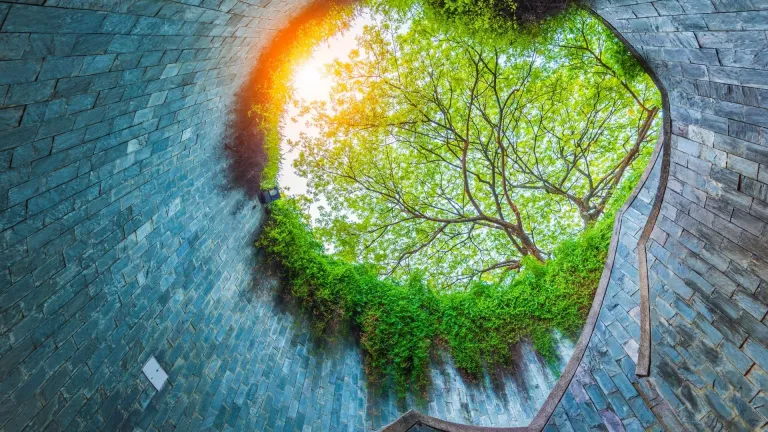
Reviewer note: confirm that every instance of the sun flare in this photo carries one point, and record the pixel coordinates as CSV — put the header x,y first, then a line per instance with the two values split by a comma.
x,y
311,82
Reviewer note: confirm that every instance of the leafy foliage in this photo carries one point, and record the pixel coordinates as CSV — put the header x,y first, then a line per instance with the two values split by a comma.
x,y
398,321
583,112
457,157
490,17
402,322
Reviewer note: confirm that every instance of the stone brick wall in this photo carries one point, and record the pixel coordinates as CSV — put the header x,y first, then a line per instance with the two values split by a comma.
x,y
119,239
708,252
605,390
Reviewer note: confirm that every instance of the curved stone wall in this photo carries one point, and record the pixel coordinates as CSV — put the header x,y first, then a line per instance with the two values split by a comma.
x,y
117,239
708,249
121,239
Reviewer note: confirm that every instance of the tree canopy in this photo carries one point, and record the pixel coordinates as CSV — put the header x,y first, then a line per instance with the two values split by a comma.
x,y
456,156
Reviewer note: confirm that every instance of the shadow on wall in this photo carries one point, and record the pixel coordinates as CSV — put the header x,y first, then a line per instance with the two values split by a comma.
x,y
245,141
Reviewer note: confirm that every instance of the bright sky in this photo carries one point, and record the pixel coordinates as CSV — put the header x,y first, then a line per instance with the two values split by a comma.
x,y
312,83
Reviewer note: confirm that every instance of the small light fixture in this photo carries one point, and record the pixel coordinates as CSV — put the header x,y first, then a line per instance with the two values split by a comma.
x,y
269,195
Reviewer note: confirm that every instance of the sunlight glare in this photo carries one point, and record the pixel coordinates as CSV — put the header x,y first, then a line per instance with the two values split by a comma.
x,y
311,82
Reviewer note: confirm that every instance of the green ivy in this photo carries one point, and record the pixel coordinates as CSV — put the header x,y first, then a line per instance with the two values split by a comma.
x,y
401,322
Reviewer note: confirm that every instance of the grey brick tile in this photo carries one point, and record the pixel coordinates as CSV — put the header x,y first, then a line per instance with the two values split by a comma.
x,y
30,92
19,71
757,352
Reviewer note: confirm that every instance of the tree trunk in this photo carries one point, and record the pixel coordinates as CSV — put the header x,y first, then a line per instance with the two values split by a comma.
x,y
590,215
531,248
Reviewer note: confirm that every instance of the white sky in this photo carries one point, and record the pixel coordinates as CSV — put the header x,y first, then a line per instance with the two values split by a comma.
x,y
312,83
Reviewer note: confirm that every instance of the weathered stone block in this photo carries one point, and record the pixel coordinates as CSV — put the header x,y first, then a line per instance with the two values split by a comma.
x,y
125,44
60,67
39,91
30,152
35,19
118,23
19,71
97,64
13,45
731,39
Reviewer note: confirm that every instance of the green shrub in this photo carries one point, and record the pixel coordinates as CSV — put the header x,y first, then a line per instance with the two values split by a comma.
x,y
402,321
398,321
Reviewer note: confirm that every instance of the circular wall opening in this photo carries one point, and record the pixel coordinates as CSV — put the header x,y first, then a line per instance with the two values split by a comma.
x,y
450,192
